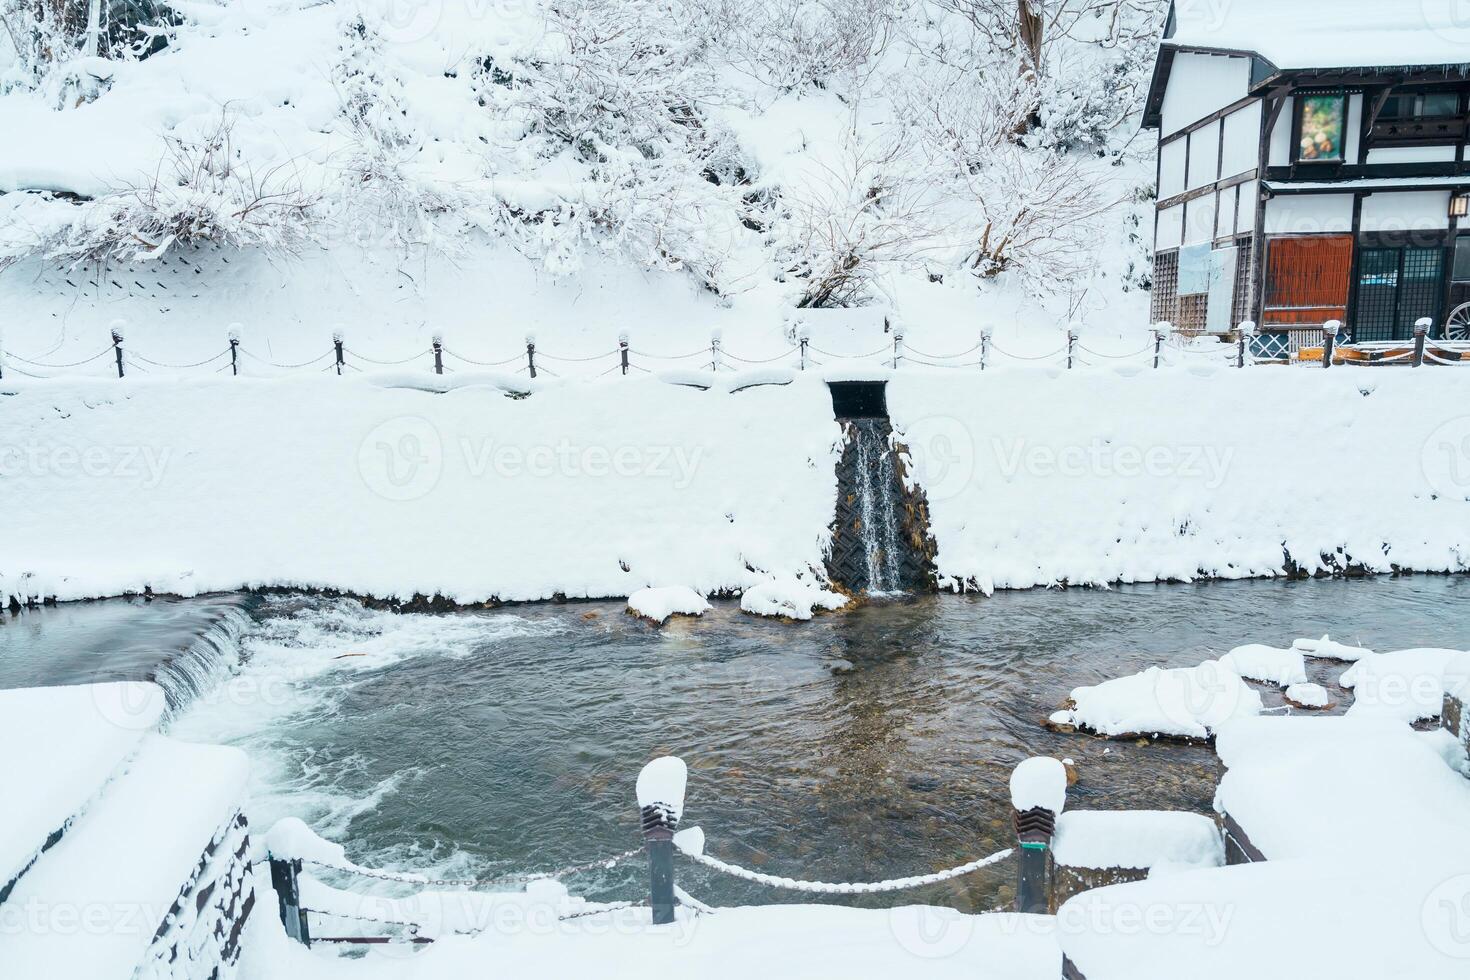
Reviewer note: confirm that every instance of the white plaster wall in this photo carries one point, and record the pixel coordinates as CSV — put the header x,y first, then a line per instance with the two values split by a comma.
x,y
1245,215
1412,154
1354,125
1171,169
1204,155
1242,137
1199,220
1281,137
1309,214
1198,85
1171,228
1408,211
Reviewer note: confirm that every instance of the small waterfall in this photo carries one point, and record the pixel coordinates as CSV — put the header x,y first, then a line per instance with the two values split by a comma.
x,y
204,663
877,485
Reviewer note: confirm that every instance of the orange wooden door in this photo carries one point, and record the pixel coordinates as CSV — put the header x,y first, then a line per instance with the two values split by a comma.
x,y
1307,278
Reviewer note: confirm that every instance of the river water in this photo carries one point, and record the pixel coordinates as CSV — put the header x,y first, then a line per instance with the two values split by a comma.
x,y
863,745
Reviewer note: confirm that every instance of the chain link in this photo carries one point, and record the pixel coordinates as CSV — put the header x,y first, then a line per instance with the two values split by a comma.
x,y
847,888
411,878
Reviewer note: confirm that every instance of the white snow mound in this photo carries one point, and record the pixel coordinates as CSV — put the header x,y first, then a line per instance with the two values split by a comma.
x,y
1137,839
1189,702
790,598
1328,649
658,604
1040,781
1269,665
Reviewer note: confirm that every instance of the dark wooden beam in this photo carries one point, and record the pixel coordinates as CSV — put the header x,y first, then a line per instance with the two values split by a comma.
x,y
1201,191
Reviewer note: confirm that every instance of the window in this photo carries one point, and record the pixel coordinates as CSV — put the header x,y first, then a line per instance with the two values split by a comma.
x,y
1319,128
1307,278
1409,118
1462,259
1397,286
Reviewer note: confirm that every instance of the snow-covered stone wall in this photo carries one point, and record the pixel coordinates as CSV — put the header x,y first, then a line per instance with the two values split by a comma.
x,y
600,489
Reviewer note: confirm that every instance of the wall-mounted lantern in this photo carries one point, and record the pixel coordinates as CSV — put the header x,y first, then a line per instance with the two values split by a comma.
x,y
1459,205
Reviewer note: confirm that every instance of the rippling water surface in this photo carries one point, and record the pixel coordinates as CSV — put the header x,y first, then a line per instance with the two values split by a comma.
x,y
862,745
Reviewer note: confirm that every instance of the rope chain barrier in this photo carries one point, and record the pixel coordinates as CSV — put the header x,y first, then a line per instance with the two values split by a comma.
x,y
846,888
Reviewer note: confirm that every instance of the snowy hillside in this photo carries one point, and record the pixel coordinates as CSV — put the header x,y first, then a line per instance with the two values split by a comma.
x,y
575,166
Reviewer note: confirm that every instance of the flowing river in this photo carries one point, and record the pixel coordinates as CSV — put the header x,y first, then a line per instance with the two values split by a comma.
x,y
863,745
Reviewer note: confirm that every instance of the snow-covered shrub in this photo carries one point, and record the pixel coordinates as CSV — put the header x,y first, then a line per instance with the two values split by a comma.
x,y
43,36
201,192
837,234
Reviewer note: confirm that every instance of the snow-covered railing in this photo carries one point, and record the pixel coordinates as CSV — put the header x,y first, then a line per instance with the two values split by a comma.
x,y
698,366
1038,795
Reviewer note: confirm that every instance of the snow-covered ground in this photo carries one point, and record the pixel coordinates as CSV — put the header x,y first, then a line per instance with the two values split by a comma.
x,y
601,489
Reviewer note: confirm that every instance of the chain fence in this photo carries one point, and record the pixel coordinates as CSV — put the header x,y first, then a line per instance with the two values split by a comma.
x,y
1303,346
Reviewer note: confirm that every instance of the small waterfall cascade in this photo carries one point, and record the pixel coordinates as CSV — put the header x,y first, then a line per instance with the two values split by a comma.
x,y
877,487
880,537
205,663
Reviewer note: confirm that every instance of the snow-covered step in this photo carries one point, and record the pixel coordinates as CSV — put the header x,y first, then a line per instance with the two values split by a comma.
x,y
59,746
1095,848
136,881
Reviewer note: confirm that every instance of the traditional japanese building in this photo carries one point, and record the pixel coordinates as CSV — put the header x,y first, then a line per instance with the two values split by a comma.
x,y
1312,167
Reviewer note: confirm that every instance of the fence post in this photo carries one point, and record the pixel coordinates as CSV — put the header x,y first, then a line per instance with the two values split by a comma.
x,y
803,337
715,363
288,895
234,336
117,341
623,350
897,347
438,341
1038,794
531,354
1421,330
1329,341
337,346
1071,346
1247,331
1161,330
660,804
984,347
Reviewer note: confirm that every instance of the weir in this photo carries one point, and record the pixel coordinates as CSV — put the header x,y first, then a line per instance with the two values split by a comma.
x,y
880,537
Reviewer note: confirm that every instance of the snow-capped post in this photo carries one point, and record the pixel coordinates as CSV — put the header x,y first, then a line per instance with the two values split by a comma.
x,y
1247,331
1161,330
984,347
715,337
531,354
288,895
803,337
1071,346
623,350
897,346
1038,794
1421,330
660,805
1330,331
234,337
438,342
118,326
337,346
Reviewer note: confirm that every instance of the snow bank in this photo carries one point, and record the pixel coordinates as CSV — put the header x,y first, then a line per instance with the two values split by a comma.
x,y
1187,702
789,598
1269,665
97,897
658,604
1328,649
582,490
1039,477
1039,782
61,745
1291,779
765,941
1407,684
1137,839
661,783
1350,920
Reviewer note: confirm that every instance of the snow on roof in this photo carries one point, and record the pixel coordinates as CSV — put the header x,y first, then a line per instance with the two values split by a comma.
x,y
1327,33
1368,184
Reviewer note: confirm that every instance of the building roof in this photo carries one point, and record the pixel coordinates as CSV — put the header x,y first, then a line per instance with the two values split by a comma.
x,y
1305,34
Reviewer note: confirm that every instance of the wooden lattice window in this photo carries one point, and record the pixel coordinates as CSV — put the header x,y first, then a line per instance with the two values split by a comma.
x,y
1307,278
1164,300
